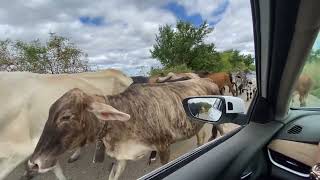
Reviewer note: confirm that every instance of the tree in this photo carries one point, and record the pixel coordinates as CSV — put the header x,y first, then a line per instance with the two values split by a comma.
x,y
234,61
56,56
6,59
185,45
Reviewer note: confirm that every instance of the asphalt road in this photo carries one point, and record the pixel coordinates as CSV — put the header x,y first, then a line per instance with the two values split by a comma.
x,y
84,169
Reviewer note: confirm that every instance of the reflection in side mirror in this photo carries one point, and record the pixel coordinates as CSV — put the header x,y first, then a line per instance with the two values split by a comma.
x,y
216,109
208,109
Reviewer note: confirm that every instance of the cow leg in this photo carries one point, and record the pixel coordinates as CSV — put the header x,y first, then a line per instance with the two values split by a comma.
x,y
220,129
231,90
200,138
302,100
152,157
75,156
222,90
117,169
164,156
58,172
214,133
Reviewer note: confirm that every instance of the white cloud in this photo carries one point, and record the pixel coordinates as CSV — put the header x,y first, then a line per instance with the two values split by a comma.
x,y
235,30
203,7
129,28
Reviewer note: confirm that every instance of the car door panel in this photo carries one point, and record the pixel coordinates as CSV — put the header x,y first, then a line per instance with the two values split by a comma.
x,y
294,148
302,126
302,152
230,159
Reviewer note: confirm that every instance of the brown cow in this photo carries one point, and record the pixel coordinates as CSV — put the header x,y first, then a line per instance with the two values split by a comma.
x,y
144,118
222,79
303,87
174,77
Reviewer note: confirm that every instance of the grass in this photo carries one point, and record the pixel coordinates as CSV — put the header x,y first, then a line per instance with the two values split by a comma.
x,y
313,70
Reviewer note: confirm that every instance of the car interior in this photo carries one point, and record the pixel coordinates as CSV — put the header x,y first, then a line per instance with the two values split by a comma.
x,y
275,142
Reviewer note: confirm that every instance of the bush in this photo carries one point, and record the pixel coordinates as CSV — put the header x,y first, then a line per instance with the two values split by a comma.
x,y
316,92
56,56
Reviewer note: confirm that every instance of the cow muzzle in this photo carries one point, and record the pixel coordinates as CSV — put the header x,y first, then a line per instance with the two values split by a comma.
x,y
41,165
36,167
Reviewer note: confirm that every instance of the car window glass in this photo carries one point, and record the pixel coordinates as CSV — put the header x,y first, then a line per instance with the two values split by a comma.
x,y
49,47
306,92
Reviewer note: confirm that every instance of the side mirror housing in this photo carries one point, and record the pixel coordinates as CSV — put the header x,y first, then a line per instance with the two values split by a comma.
x,y
216,109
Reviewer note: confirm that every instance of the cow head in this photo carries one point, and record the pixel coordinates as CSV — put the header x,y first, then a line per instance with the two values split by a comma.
x,y
73,121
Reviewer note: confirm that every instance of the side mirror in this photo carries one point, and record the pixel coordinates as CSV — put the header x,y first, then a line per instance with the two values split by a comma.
x,y
216,109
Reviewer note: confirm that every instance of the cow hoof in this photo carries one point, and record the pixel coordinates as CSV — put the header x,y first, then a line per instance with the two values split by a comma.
x,y
153,157
151,161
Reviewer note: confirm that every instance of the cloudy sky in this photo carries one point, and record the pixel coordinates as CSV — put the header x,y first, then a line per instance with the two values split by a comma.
x,y
118,33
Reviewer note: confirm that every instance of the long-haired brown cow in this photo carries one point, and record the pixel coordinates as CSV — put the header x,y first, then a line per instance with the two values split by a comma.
x,y
174,77
222,79
303,87
144,118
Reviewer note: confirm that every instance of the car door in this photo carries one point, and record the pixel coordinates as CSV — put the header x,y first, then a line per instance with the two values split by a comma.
x,y
294,149
269,145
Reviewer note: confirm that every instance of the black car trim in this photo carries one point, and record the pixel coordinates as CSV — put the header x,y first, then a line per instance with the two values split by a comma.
x,y
176,164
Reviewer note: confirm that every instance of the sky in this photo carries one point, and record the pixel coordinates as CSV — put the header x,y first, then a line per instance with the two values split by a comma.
x,y
316,44
119,34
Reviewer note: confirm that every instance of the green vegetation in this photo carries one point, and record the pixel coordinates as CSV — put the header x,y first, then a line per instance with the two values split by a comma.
x,y
56,56
184,46
206,106
316,92
311,68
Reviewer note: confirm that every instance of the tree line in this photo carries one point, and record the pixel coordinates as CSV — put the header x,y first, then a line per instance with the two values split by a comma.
x,y
58,55
183,49
179,49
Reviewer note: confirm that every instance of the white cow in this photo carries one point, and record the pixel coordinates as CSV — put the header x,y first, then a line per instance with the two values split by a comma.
x,y
25,101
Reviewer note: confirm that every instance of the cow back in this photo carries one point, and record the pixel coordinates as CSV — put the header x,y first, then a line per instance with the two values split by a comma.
x,y
157,114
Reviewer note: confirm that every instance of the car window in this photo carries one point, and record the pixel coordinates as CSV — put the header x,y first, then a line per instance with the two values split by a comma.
x,y
306,91
53,51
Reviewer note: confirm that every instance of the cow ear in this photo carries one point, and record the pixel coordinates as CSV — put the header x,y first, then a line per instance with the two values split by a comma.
x,y
107,113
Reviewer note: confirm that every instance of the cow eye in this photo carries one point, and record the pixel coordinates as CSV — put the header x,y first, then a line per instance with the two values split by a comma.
x,y
64,118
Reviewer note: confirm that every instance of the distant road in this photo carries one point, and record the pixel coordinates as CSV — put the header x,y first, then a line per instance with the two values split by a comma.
x,y
312,101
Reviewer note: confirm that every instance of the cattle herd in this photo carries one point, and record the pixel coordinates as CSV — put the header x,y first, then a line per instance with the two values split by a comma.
x,y
127,117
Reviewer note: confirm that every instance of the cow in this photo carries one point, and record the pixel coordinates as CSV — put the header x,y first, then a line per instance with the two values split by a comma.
x,y
241,82
303,87
222,79
26,99
251,88
245,85
144,118
195,109
171,77
174,77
